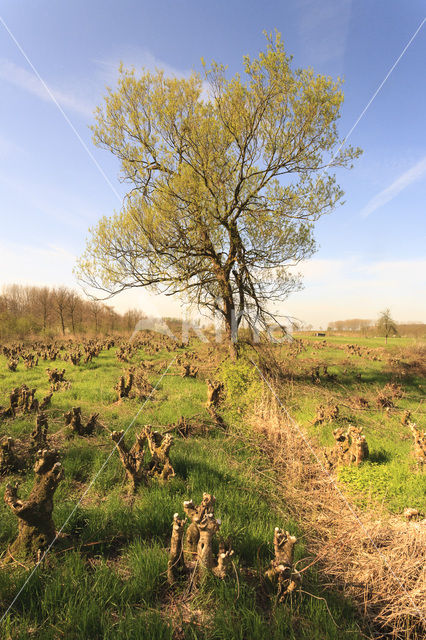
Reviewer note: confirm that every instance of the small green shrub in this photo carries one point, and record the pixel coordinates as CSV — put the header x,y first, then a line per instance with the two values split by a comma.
x,y
242,383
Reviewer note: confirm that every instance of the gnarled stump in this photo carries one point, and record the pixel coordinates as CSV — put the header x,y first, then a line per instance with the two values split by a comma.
x,y
196,514
214,391
224,561
159,447
176,564
281,569
9,460
56,375
139,470
22,400
350,448
45,402
124,386
188,370
198,552
74,420
39,434
207,528
36,529
132,459
419,444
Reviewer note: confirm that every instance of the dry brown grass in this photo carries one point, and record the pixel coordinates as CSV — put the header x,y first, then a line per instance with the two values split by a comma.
x,y
376,558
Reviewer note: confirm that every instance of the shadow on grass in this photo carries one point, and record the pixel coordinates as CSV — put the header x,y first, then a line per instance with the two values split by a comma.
x,y
379,457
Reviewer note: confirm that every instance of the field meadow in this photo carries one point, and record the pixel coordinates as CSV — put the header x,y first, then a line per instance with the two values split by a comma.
x,y
106,576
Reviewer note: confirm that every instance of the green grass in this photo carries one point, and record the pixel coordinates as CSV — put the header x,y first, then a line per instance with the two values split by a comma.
x,y
111,582
391,476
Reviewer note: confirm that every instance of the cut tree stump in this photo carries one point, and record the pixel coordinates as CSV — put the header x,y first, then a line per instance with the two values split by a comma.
x,y
36,529
281,570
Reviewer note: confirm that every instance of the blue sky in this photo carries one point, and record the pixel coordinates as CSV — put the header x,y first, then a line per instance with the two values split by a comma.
x,y
371,250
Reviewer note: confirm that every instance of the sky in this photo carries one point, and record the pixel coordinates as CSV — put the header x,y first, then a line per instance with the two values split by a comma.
x,y
57,58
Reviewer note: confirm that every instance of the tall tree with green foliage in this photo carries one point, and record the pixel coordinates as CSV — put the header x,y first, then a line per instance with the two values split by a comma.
x,y
226,176
386,325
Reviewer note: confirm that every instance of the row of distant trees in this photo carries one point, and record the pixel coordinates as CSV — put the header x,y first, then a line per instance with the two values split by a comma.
x,y
384,326
47,311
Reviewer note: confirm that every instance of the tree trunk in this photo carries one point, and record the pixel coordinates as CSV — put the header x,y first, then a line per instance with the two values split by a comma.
x,y
62,323
231,331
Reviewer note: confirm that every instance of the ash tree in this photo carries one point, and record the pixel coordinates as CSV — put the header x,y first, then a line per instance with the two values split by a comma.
x,y
226,178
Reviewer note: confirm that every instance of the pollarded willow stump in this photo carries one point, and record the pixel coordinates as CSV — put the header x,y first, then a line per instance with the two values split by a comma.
x,y
124,386
207,528
199,540
159,447
214,391
36,529
419,444
188,370
138,469
196,514
74,420
9,460
39,434
176,564
132,459
56,375
45,402
22,400
281,570
350,448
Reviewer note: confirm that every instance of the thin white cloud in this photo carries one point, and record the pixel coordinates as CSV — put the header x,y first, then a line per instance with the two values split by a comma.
x,y
138,58
408,177
323,29
27,81
338,289
9,148
48,201
23,264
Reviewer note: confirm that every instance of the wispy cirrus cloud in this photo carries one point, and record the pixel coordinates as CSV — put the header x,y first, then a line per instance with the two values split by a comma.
x,y
26,80
9,148
138,58
383,197
323,29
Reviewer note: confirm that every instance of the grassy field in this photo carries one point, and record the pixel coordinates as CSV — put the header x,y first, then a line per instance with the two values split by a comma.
x,y
106,576
390,475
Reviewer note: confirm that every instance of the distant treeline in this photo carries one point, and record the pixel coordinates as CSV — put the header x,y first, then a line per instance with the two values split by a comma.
x,y
369,327
49,311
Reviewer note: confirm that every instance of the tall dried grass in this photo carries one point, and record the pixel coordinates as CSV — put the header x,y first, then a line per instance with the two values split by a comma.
x,y
376,558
